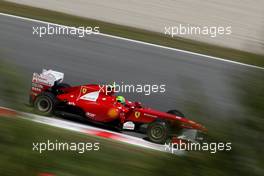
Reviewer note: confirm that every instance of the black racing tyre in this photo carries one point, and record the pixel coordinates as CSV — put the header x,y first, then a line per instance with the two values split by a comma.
x,y
158,131
176,112
45,103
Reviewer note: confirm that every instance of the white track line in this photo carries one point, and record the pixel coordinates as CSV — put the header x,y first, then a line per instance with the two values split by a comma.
x,y
72,126
140,42
93,131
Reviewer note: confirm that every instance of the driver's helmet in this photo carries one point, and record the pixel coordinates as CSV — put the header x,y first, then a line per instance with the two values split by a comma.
x,y
121,99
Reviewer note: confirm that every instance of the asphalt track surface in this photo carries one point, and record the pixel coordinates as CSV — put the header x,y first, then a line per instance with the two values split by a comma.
x,y
193,83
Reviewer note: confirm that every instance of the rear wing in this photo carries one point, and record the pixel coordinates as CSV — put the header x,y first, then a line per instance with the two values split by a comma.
x,y
47,77
43,81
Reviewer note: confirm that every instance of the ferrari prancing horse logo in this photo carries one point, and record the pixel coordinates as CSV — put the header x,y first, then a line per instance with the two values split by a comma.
x,y
137,114
84,90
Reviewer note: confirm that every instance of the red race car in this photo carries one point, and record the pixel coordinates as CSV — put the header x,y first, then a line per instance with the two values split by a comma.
x,y
98,104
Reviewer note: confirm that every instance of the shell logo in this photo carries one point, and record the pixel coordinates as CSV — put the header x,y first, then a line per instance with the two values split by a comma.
x,y
112,113
137,114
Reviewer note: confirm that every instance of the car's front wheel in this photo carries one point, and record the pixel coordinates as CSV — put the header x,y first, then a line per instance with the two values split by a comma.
x,y
45,103
158,131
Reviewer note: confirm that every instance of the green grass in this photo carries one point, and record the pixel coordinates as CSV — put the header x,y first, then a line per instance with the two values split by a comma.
x,y
113,158
132,33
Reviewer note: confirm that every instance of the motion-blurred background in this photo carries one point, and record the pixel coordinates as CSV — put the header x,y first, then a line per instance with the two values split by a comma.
x,y
227,98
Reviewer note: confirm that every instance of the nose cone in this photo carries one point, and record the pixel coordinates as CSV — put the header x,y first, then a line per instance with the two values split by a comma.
x,y
197,126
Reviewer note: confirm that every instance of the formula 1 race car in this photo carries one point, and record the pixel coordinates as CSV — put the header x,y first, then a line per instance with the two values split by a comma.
x,y
97,103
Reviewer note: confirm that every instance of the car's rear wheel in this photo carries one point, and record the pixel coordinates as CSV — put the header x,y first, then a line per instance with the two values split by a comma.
x,y
176,112
45,103
158,131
